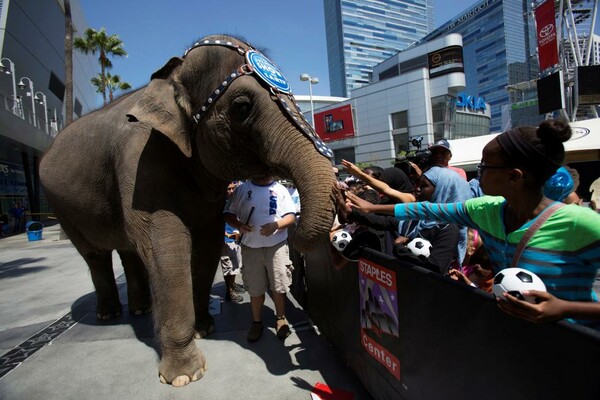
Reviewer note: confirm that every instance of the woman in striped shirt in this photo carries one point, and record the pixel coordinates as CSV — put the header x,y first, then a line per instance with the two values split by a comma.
x,y
564,252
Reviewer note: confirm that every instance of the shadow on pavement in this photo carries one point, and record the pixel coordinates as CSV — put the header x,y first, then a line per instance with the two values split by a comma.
x,y
83,311
16,268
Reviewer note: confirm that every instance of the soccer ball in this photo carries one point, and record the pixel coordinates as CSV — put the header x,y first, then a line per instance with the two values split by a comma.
x,y
420,247
515,281
341,240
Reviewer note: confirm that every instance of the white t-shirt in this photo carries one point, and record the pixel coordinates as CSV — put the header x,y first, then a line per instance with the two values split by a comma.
x,y
295,197
270,203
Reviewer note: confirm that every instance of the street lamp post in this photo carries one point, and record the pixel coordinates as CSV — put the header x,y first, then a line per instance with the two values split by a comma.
x,y
14,80
43,102
312,80
23,86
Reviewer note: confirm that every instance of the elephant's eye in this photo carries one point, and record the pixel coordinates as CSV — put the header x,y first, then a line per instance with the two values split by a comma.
x,y
240,108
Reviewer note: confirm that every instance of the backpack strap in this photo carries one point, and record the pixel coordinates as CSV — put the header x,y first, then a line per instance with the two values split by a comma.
x,y
547,213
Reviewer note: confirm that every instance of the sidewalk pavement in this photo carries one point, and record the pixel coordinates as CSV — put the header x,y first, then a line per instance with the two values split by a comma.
x,y
52,346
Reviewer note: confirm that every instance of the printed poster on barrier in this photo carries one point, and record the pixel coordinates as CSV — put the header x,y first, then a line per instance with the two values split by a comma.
x,y
379,314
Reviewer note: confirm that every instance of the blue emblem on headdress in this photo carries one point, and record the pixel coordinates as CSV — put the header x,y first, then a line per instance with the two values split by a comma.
x,y
267,71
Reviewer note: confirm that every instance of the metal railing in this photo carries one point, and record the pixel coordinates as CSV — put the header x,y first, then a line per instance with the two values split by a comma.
x,y
50,127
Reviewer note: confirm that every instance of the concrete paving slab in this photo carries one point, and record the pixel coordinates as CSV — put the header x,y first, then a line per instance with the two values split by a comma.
x,y
10,338
78,357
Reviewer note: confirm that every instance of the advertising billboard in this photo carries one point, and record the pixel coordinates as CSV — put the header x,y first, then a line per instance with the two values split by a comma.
x,y
379,322
335,124
546,34
587,85
445,61
550,93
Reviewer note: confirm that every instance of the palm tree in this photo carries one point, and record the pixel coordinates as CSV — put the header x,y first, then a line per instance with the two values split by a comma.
x,y
112,83
68,64
99,42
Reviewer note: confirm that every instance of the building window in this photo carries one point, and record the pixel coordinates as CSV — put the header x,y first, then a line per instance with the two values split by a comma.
x,y
346,153
442,110
389,73
400,131
77,108
400,120
56,86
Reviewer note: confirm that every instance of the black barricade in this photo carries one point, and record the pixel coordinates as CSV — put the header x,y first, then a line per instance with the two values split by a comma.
x,y
409,333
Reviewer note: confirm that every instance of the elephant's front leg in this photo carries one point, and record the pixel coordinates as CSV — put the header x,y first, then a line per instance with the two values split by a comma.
x,y
171,281
206,252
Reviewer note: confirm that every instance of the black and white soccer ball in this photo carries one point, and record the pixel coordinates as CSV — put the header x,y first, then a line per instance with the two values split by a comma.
x,y
420,247
515,281
340,240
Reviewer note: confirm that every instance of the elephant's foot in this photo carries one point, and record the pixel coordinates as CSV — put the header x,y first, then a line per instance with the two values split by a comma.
x,y
204,327
179,372
140,302
108,312
139,312
140,307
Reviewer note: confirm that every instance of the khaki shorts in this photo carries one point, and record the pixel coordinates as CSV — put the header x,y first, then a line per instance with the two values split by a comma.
x,y
231,258
267,268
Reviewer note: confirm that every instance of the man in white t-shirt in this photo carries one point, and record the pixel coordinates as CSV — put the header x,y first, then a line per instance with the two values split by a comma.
x,y
262,210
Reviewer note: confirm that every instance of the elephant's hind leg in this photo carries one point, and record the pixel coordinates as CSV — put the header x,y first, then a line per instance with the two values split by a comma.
x,y
107,295
138,288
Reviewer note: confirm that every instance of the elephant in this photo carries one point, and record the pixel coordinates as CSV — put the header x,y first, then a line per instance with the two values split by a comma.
x,y
146,176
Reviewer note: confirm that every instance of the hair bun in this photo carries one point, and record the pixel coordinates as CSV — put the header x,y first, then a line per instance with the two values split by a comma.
x,y
554,130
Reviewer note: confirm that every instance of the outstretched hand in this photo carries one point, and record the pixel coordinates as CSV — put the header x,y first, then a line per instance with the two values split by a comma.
x,y
343,208
352,169
357,203
548,307
457,275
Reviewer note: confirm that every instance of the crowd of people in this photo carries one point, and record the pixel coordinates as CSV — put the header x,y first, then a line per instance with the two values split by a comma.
x,y
483,221
474,226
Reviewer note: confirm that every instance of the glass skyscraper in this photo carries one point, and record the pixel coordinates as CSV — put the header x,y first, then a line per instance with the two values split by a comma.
x,y
499,48
363,33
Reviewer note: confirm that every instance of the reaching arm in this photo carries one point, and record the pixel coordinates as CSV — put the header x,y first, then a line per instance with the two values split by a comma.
x,y
377,222
362,205
549,308
378,185
454,213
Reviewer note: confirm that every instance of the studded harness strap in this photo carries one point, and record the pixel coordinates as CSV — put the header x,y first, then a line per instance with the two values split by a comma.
x,y
266,73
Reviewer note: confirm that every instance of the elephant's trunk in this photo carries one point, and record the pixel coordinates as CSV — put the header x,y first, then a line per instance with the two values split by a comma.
x,y
313,175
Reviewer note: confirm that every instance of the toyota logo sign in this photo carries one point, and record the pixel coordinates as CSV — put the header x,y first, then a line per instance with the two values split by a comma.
x,y
547,30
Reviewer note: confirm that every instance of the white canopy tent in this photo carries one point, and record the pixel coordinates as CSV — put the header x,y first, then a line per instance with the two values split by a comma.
x,y
584,145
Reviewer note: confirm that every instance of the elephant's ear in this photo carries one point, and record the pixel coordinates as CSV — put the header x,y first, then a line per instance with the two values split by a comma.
x,y
158,107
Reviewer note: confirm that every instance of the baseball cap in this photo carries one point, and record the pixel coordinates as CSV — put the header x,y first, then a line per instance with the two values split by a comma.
x,y
441,143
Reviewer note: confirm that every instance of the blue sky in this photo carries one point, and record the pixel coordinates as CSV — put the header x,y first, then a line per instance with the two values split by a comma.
x,y
293,32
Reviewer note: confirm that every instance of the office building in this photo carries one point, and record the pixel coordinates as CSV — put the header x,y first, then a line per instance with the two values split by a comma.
x,y
363,33
499,46
32,91
416,97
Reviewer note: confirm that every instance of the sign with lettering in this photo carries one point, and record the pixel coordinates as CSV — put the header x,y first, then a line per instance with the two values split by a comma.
x,y
379,325
445,61
267,71
546,34
12,179
473,103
